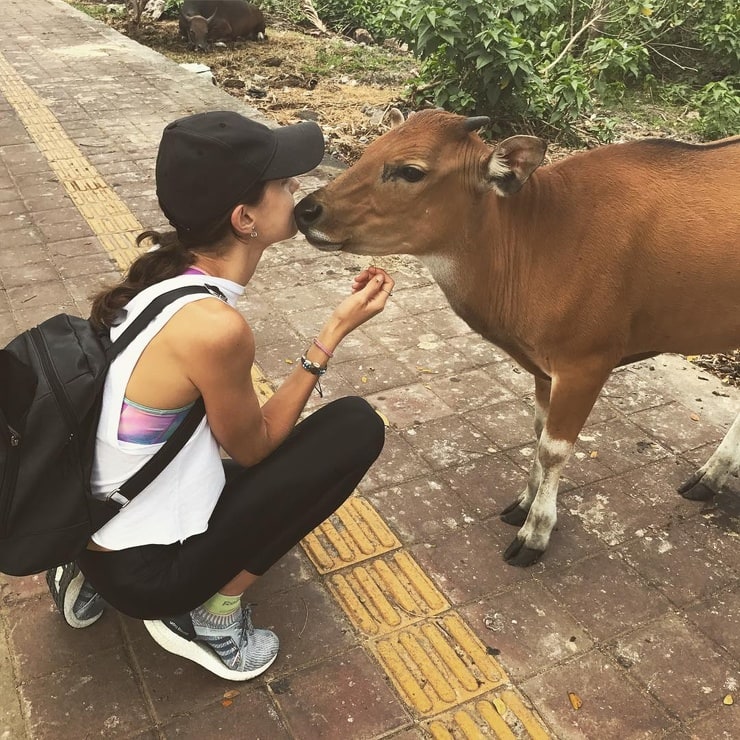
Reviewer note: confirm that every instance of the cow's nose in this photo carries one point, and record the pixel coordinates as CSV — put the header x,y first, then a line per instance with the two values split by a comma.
x,y
307,212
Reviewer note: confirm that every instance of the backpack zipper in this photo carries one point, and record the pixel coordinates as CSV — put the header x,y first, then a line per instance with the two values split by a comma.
x,y
10,475
60,392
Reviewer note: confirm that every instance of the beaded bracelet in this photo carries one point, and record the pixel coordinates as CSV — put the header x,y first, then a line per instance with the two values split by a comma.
x,y
315,369
312,367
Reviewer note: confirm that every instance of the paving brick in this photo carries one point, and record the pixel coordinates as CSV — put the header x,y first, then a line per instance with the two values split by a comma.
x,y
339,698
230,718
605,595
719,618
686,672
467,565
528,628
422,510
612,708
63,704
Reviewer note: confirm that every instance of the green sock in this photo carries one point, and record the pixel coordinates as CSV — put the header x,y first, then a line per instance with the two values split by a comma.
x,y
222,605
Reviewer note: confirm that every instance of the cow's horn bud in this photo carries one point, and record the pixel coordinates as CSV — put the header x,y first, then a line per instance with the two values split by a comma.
x,y
475,122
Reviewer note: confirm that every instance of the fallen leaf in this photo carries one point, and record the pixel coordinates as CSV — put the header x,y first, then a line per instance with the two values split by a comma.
x,y
364,378
289,362
728,700
500,706
383,417
231,693
226,703
575,700
594,453
694,417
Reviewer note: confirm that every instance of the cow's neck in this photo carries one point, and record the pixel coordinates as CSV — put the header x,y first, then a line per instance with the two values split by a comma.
x,y
480,276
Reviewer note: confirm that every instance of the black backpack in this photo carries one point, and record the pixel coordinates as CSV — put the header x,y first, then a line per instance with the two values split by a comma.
x,y
51,388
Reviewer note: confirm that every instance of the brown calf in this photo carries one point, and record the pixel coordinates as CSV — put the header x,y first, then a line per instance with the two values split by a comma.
x,y
601,259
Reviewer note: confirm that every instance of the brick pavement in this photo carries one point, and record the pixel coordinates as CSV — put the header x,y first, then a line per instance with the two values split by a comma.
x,y
398,619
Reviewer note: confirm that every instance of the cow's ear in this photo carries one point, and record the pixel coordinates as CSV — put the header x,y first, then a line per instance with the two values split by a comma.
x,y
512,162
395,117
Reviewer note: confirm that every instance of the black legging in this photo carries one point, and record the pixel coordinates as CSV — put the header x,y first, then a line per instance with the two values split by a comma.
x,y
262,513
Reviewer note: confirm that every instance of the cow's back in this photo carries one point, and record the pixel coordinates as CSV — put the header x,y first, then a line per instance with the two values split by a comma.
x,y
661,228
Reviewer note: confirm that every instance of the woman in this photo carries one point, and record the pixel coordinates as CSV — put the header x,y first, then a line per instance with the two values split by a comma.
x,y
182,552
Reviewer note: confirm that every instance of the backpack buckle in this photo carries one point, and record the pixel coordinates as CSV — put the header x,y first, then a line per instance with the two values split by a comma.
x,y
116,499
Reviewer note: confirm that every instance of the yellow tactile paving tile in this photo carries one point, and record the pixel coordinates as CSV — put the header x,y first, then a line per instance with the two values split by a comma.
x,y
438,664
105,212
386,594
503,715
355,532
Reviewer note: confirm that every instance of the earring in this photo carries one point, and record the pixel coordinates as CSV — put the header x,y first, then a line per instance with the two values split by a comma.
x,y
253,234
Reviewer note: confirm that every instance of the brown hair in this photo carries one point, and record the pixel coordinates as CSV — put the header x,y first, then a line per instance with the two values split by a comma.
x,y
176,252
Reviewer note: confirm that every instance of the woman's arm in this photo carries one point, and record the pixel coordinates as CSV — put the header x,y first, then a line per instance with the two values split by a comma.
x,y
220,363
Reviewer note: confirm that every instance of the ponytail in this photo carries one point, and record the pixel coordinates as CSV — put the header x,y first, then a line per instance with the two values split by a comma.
x,y
167,260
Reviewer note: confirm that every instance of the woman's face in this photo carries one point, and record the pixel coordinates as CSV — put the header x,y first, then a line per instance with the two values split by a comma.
x,y
273,215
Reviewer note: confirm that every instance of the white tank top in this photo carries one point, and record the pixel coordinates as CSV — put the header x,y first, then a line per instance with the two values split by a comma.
x,y
180,500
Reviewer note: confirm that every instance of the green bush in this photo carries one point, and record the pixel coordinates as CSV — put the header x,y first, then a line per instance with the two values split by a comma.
x,y
546,63
718,105
550,65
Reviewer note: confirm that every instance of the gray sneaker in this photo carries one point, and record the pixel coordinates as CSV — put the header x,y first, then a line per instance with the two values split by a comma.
x,y
80,604
231,647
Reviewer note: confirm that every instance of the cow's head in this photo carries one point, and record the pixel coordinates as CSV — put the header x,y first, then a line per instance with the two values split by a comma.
x,y
416,187
198,27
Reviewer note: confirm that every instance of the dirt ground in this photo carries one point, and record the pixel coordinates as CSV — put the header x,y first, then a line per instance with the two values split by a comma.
x,y
296,75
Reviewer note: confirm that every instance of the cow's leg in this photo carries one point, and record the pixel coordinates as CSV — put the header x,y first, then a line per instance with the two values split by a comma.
x,y
516,512
572,397
711,476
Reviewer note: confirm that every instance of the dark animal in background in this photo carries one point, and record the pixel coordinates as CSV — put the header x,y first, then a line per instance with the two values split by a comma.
x,y
202,21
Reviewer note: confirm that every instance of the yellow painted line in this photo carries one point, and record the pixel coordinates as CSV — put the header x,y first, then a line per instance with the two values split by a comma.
x,y
437,664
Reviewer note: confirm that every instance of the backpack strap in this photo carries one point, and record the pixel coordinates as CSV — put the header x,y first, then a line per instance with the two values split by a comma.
x,y
162,458
151,311
167,452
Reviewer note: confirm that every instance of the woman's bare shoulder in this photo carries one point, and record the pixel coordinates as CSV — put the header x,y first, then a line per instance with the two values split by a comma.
x,y
210,325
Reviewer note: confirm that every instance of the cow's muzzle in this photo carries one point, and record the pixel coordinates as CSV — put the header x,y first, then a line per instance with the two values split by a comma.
x,y
307,215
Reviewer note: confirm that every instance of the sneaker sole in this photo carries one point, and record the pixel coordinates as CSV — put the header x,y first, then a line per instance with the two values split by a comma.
x,y
70,583
172,643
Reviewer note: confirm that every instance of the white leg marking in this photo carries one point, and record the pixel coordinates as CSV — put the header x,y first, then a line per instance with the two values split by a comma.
x,y
552,454
540,417
526,497
725,461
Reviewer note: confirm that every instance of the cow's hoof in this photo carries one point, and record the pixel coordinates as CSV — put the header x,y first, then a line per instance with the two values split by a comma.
x,y
695,489
514,514
517,553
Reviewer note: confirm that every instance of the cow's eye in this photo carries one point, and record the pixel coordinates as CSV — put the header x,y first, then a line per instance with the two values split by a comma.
x,y
411,173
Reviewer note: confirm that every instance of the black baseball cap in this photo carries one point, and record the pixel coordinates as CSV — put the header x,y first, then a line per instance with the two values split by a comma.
x,y
209,161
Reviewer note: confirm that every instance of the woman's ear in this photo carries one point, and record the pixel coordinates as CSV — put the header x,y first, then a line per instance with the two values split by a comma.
x,y
242,220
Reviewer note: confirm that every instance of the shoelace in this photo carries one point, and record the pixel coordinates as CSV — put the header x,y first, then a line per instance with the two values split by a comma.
x,y
247,626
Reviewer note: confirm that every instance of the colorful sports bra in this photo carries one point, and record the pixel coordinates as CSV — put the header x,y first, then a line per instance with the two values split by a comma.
x,y
143,425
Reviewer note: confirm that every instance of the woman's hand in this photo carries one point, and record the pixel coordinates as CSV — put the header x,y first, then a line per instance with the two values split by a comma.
x,y
360,281
370,292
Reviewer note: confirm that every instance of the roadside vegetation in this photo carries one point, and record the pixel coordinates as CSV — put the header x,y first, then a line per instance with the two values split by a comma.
x,y
562,65
570,70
